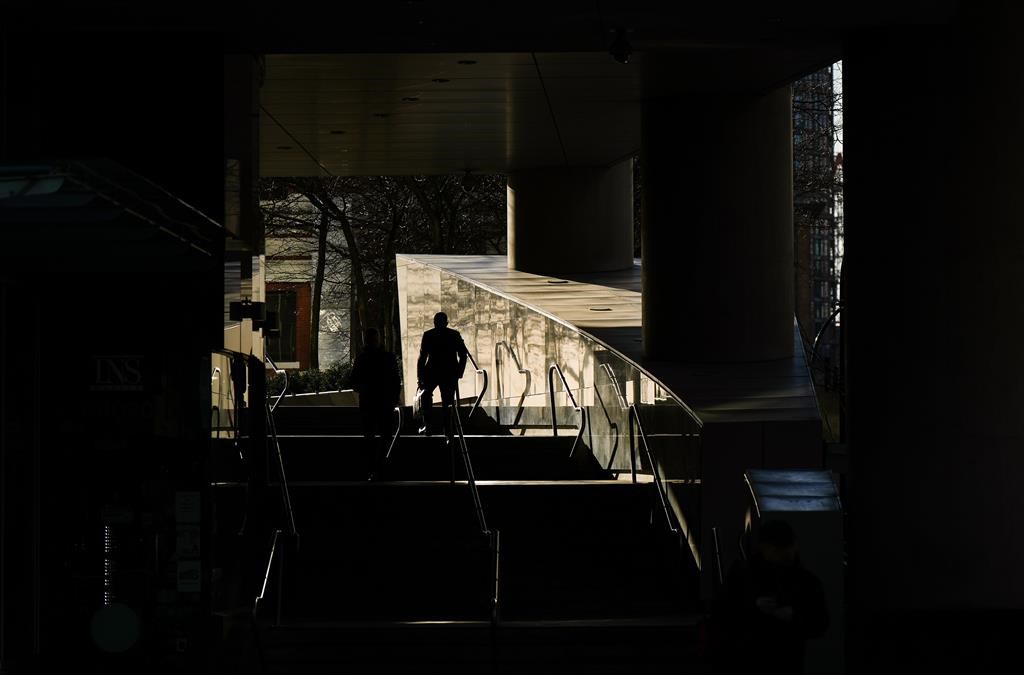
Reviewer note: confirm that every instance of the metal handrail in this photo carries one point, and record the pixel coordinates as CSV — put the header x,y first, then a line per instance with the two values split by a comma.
x,y
221,396
821,332
493,536
253,622
470,476
634,417
215,375
278,371
285,492
611,425
552,369
719,577
610,372
522,371
398,432
483,390
266,574
272,428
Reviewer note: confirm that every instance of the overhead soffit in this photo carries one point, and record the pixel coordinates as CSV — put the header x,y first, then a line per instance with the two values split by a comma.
x,y
371,112
376,114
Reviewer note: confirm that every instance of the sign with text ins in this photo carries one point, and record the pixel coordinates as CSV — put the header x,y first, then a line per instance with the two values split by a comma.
x,y
117,373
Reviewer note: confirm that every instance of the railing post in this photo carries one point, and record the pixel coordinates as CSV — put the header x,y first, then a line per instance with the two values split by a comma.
x,y
551,398
632,444
498,381
496,562
450,439
398,432
719,578
483,389
498,365
280,585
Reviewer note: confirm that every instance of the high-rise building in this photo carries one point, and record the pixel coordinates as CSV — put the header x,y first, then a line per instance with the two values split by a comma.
x,y
817,184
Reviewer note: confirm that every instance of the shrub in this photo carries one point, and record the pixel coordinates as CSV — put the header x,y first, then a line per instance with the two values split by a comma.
x,y
335,377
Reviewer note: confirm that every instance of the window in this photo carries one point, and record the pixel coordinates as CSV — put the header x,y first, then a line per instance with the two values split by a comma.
x,y
282,345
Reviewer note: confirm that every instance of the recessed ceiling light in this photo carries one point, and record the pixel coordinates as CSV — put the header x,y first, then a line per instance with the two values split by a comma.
x,y
440,80
466,62
410,99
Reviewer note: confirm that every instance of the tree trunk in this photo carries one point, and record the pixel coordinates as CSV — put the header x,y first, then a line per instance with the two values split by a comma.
x,y
323,200
358,279
436,237
318,286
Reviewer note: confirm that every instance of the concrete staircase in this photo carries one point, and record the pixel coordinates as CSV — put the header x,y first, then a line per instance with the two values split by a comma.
x,y
396,573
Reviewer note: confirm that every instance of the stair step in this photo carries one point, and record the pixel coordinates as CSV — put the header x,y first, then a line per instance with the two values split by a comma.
x,y
348,457
414,550
298,419
630,645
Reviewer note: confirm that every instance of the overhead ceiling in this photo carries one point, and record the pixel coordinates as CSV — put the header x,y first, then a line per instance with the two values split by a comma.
x,y
377,114
385,87
373,114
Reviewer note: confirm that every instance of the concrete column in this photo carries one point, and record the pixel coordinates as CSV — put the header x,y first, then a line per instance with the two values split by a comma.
x,y
571,220
718,228
241,149
935,298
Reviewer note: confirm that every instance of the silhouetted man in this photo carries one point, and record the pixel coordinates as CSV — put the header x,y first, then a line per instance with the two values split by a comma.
x,y
376,377
772,606
442,361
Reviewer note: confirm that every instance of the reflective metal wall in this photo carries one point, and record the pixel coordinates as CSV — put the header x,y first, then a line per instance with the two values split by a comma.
x,y
600,379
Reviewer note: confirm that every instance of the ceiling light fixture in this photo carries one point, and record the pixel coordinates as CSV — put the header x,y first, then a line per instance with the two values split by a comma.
x,y
620,48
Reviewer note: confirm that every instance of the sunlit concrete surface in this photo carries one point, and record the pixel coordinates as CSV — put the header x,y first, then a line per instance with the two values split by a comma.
x,y
607,306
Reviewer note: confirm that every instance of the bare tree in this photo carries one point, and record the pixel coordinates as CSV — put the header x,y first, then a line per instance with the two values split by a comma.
x,y
353,227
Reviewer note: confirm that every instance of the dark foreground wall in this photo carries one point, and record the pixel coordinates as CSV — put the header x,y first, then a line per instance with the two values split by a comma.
x,y
106,332
935,244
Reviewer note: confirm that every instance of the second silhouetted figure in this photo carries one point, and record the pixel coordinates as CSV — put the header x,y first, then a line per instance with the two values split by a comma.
x,y
442,361
376,377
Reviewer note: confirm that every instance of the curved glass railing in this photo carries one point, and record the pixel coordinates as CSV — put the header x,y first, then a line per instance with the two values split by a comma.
x,y
603,381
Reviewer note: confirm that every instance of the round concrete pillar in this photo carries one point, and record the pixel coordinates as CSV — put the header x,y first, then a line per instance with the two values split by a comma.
x,y
718,228
571,220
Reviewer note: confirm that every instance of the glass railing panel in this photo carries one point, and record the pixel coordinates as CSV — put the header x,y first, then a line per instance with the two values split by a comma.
x,y
222,397
602,380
